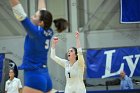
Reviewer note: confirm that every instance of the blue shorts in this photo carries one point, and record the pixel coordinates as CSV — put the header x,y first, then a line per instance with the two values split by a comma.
x,y
38,79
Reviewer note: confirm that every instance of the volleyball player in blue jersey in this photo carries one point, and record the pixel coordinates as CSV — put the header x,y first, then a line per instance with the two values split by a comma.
x,y
37,44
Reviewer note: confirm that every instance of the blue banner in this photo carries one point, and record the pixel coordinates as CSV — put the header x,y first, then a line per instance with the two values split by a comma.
x,y
2,56
130,11
106,63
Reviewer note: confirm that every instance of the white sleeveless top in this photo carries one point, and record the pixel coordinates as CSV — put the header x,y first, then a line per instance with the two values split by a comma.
x,y
74,74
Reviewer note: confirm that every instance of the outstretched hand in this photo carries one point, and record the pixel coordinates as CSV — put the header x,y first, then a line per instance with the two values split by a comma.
x,y
14,2
77,35
54,41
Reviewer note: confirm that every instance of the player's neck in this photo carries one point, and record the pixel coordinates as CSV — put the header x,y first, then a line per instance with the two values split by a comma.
x,y
72,62
11,78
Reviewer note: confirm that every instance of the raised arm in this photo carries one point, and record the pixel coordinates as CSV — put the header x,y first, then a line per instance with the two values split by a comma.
x,y
79,49
18,10
20,15
41,4
57,59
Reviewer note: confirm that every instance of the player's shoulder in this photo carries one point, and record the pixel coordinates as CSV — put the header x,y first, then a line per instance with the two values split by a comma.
x,y
7,81
16,79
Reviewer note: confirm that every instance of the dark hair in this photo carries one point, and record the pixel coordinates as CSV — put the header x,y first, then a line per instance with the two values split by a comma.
x,y
75,49
14,68
47,18
60,23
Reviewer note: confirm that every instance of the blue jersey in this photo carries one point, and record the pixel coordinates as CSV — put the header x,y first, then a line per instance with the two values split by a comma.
x,y
36,46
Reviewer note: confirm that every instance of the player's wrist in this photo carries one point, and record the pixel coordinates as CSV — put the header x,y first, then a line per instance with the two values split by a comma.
x,y
19,12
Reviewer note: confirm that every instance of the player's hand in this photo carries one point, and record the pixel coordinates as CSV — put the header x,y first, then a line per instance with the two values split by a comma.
x,y
77,35
55,40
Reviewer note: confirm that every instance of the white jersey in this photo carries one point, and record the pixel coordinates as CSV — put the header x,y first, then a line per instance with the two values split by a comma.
x,y
74,74
13,86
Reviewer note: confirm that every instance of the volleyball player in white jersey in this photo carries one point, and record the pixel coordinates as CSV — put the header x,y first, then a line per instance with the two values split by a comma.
x,y
74,67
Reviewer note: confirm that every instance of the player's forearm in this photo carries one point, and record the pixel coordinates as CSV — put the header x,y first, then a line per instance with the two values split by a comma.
x,y
53,45
41,4
57,59
14,2
18,10
78,43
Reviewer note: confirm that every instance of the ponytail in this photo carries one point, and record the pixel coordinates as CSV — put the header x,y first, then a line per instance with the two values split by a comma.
x,y
61,24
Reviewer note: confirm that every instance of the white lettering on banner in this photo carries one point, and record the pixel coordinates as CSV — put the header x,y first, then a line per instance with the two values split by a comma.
x,y
108,65
132,65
